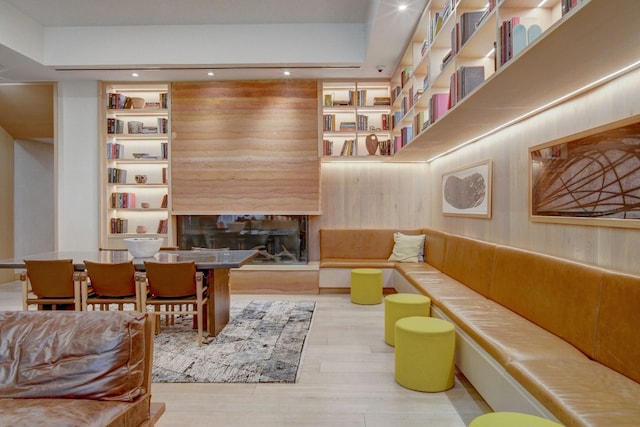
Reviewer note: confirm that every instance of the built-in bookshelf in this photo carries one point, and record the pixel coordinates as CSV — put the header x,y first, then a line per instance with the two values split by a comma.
x,y
353,112
464,47
134,153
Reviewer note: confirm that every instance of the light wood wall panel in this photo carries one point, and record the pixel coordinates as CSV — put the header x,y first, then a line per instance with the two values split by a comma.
x,y
604,246
245,147
371,195
6,202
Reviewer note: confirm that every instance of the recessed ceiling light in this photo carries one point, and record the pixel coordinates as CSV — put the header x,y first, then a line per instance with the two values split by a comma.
x,y
287,73
135,75
210,73
402,7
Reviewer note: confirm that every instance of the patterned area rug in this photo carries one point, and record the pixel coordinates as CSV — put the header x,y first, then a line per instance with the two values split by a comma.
x,y
261,344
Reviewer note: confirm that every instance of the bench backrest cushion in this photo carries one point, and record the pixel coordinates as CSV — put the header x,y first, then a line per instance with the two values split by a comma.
x,y
76,355
618,333
358,243
559,295
470,262
435,245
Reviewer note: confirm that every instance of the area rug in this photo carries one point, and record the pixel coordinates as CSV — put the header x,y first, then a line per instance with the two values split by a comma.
x,y
262,343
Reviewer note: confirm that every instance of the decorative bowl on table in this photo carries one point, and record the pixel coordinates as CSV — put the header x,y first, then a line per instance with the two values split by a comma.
x,y
236,226
143,247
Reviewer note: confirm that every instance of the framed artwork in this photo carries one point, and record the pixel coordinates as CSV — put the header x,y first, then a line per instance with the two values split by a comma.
x,y
467,191
589,179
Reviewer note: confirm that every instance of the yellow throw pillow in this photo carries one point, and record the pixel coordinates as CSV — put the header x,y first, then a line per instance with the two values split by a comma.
x,y
407,248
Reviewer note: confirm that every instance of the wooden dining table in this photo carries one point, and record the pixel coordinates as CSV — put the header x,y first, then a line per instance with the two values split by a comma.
x,y
216,265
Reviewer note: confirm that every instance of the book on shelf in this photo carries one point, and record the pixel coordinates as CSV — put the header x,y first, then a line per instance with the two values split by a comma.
x,y
405,75
386,147
163,226
115,126
463,81
381,100
385,120
347,126
329,122
163,125
115,150
118,101
349,148
123,200
116,176
164,150
363,121
468,23
327,147
165,175
506,39
165,201
163,100
118,225
438,105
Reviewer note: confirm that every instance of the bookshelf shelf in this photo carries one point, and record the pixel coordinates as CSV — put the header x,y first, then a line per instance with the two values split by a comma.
x,y
131,131
351,112
566,57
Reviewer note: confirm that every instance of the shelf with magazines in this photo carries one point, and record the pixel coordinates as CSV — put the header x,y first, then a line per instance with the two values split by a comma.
x,y
355,119
134,162
524,53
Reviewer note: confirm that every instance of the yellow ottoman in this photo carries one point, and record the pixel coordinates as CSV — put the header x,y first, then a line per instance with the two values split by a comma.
x,y
510,419
424,353
397,306
366,286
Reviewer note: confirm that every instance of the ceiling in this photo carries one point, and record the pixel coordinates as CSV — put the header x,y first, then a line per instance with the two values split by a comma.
x,y
61,40
69,27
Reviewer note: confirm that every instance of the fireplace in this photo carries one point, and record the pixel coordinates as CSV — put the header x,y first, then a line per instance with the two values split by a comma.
x,y
279,239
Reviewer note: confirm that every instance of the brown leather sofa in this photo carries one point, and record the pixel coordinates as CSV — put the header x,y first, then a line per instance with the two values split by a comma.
x,y
535,333
76,369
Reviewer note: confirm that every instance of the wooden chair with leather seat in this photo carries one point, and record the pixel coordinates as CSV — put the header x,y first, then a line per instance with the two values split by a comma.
x,y
51,284
171,288
110,283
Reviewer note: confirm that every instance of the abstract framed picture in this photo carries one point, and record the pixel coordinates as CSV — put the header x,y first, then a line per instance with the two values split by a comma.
x,y
588,179
467,191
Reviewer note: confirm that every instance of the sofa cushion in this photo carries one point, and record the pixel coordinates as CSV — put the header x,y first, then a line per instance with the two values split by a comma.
x,y
618,334
580,392
469,261
505,335
68,359
358,243
559,295
407,248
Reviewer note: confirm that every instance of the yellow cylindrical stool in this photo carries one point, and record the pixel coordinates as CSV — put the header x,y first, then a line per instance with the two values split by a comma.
x,y
424,353
366,286
510,419
397,306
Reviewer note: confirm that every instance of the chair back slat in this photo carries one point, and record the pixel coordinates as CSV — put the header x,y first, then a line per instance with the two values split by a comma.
x,y
51,278
112,280
171,280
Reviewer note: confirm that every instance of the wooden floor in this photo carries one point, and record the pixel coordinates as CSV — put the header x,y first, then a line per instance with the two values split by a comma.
x,y
346,379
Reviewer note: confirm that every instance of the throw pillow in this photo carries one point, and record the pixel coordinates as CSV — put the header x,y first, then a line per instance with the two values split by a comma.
x,y
408,248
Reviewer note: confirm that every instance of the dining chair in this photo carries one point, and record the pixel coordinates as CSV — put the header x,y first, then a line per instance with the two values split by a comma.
x,y
110,284
51,284
171,288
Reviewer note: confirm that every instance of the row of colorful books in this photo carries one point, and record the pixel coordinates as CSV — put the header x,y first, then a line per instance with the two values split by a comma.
x,y
123,200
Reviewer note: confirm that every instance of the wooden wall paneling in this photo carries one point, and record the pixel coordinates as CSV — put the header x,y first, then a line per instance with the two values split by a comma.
x,y
245,147
604,246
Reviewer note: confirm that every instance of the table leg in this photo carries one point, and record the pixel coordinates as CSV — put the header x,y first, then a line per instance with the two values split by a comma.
x,y
219,300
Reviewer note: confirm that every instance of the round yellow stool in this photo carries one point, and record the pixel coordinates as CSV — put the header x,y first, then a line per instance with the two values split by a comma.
x,y
509,419
397,306
366,286
424,353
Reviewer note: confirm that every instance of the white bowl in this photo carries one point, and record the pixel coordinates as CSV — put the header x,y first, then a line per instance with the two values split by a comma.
x,y
143,247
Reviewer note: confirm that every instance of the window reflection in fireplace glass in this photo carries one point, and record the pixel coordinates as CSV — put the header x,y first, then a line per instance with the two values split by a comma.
x,y
279,239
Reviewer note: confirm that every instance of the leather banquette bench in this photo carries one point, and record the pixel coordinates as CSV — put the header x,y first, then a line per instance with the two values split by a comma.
x,y
76,369
534,333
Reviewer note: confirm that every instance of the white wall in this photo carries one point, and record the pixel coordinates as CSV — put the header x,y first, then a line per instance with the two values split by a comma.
x,y
77,194
33,200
